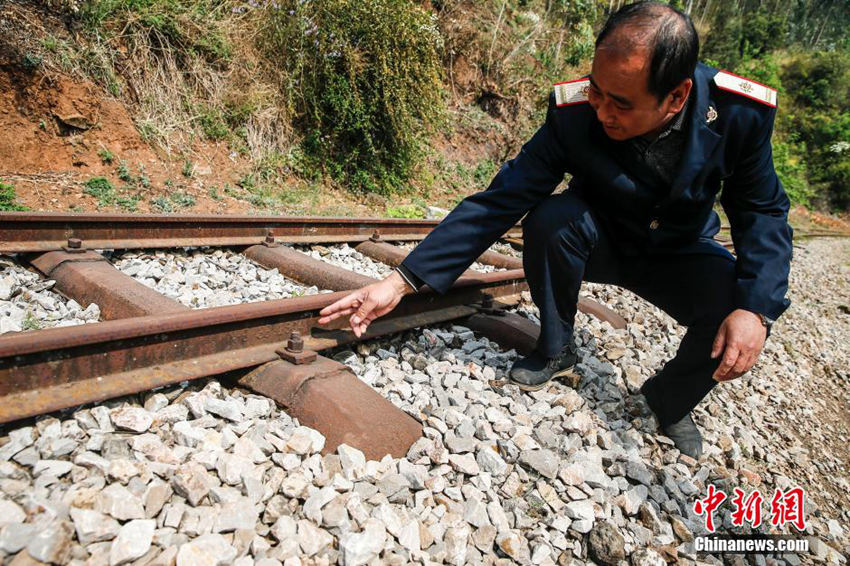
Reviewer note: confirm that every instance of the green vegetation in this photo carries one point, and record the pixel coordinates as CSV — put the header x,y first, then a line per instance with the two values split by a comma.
x,y
30,322
124,173
362,78
102,189
7,198
173,202
106,156
801,49
162,204
406,211
182,200
361,93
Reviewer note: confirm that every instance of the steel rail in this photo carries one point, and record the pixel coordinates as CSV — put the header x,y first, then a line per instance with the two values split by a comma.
x,y
23,232
58,368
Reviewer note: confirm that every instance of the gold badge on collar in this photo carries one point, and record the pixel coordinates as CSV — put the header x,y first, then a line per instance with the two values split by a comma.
x,y
711,115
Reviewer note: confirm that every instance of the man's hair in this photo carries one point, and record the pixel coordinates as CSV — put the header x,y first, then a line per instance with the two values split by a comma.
x,y
669,35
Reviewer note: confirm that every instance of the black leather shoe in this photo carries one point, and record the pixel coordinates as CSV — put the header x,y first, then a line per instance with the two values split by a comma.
x,y
685,435
533,372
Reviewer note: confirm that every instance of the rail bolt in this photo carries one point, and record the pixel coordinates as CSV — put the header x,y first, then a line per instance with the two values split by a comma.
x,y
73,246
376,235
294,351
269,240
295,344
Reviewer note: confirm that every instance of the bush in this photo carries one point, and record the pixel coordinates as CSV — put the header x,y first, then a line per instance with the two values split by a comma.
x,y
101,189
818,114
406,211
362,78
188,26
7,199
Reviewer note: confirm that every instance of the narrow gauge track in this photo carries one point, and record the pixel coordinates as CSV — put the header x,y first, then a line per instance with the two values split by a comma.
x,y
147,340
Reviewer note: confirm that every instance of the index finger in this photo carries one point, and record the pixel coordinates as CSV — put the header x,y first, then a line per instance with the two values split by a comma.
x,y
342,307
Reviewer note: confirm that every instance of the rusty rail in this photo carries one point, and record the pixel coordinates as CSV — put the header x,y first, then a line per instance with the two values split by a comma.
x,y
63,367
22,232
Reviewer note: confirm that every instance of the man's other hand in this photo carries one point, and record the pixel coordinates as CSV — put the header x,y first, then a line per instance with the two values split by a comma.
x,y
368,303
740,340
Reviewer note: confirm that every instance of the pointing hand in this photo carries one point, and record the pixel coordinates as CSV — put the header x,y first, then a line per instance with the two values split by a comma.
x,y
367,303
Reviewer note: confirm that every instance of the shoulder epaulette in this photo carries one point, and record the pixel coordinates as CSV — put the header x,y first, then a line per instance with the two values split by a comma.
x,y
751,89
571,92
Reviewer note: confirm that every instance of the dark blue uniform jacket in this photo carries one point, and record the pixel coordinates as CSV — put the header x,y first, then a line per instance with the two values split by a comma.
x,y
732,150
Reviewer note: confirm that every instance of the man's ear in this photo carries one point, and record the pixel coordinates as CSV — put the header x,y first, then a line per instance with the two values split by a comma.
x,y
680,94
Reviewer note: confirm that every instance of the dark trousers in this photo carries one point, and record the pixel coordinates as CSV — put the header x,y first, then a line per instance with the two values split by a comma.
x,y
564,244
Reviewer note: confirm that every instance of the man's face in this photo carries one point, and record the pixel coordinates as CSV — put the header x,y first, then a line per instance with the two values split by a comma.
x,y
619,93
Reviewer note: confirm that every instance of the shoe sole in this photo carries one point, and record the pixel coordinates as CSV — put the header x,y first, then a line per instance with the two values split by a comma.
x,y
557,374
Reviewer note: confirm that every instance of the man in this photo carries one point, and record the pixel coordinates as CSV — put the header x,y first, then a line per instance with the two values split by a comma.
x,y
649,139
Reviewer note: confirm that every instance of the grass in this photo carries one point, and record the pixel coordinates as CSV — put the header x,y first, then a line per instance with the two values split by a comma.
x,y
124,173
162,204
7,199
106,156
406,211
102,189
30,322
182,200
173,202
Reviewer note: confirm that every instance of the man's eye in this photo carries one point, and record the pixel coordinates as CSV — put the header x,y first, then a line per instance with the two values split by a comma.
x,y
622,106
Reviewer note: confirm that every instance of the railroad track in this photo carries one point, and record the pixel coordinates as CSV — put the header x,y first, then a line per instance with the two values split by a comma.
x,y
146,340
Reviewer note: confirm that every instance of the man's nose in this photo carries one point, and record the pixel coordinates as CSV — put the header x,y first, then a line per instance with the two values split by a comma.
x,y
603,112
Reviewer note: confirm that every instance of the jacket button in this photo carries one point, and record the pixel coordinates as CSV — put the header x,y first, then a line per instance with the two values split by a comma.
x,y
654,224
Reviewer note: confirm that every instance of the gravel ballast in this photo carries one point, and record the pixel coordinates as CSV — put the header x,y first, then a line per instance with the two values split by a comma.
x,y
28,303
200,278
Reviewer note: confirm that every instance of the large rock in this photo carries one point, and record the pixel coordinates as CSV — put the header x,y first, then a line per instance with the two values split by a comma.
x,y
544,462
93,526
647,557
133,541
580,510
232,468
605,544
352,460
11,512
52,544
512,544
134,419
456,539
305,440
464,463
206,550
16,536
490,461
311,539
192,482
362,547
117,501
234,515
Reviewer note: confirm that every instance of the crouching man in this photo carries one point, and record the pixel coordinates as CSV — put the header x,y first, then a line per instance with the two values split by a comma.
x,y
649,137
